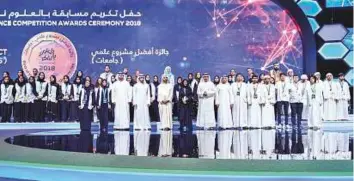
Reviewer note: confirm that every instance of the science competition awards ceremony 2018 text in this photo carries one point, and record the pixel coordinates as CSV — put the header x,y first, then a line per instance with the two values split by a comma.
x,y
173,90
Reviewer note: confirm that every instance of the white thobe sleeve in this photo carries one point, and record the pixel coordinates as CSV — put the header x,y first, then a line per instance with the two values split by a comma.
x,y
262,95
113,93
272,95
347,92
326,91
231,96
135,95
200,91
309,95
320,94
153,92
336,91
148,95
170,94
159,94
217,102
249,94
129,93
212,90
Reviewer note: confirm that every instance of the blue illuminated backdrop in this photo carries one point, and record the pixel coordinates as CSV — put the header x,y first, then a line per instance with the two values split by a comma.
x,y
196,35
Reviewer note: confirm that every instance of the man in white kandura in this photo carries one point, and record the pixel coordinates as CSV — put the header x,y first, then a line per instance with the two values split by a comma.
x,y
141,102
343,98
164,96
306,85
107,74
255,100
315,93
268,116
239,109
330,98
206,94
320,84
121,97
224,101
290,76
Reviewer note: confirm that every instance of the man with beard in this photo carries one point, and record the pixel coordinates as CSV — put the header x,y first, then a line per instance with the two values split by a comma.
x,y
121,97
165,93
141,103
275,73
206,95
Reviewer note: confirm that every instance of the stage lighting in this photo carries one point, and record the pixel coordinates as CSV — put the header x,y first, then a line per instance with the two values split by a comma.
x,y
310,7
333,32
349,59
314,24
338,3
348,39
350,77
330,51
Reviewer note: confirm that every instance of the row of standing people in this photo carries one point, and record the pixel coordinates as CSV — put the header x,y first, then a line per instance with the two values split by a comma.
x,y
32,100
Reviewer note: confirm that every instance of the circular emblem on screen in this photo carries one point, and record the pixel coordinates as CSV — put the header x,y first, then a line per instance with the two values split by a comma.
x,y
51,53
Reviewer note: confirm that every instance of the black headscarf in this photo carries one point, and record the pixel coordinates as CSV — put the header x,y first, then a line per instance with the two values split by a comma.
x,y
39,77
147,81
54,82
23,75
21,84
76,82
179,85
185,86
156,83
216,82
66,76
190,80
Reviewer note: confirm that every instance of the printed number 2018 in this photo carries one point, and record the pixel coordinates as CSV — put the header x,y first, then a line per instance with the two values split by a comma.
x,y
46,68
132,23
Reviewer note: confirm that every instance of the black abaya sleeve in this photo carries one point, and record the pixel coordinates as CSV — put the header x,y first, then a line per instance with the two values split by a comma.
x,y
34,91
61,95
97,98
14,91
93,98
46,91
174,97
72,91
181,95
189,94
194,92
80,93
110,97
58,93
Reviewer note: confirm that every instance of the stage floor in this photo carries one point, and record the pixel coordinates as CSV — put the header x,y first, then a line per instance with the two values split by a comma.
x,y
59,150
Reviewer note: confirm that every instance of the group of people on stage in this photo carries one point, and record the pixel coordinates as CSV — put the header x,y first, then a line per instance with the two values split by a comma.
x,y
231,101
